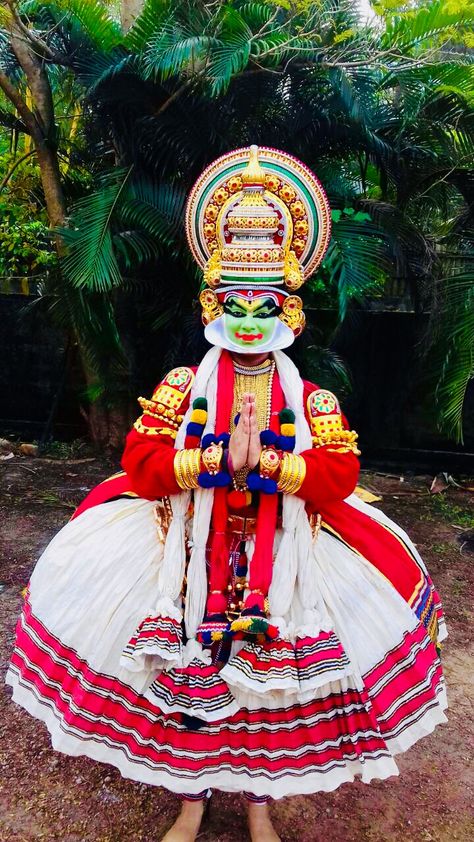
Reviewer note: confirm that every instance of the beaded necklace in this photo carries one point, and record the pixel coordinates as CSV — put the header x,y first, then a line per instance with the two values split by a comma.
x,y
257,379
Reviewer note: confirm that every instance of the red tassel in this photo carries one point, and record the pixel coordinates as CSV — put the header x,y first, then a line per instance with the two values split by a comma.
x,y
216,604
219,574
262,559
237,499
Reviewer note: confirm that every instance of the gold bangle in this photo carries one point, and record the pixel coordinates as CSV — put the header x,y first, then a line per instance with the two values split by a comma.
x,y
292,473
178,470
187,465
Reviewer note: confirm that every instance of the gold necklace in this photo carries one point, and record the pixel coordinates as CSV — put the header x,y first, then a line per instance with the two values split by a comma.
x,y
257,379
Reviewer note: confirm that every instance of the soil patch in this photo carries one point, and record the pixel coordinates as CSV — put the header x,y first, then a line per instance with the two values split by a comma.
x,y
48,796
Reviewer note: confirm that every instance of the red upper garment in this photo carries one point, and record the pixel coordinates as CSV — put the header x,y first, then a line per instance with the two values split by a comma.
x,y
149,463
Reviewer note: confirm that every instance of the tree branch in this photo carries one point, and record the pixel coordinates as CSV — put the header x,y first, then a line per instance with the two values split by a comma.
x,y
13,168
17,100
43,49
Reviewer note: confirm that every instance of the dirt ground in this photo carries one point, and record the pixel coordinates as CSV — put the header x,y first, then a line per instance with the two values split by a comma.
x,y
48,796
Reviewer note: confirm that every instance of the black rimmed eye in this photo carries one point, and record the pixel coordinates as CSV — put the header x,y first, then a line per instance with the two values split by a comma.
x,y
233,310
269,311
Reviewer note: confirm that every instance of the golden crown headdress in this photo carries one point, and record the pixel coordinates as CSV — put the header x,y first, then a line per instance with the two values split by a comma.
x,y
257,218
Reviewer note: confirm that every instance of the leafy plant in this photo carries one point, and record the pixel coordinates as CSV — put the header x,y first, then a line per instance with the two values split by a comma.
x,y
383,113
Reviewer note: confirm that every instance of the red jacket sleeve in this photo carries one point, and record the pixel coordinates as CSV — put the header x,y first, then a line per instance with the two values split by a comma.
x,y
332,469
149,452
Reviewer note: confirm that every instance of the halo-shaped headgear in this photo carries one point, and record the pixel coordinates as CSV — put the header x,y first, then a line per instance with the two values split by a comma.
x,y
257,218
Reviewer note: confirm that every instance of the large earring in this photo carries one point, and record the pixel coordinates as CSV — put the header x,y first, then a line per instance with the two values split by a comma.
x,y
211,309
293,315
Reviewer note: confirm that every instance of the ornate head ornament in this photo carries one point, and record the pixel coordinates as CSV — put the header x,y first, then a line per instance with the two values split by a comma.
x,y
258,223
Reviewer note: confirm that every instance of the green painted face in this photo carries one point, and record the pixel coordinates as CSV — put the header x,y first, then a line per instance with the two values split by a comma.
x,y
249,324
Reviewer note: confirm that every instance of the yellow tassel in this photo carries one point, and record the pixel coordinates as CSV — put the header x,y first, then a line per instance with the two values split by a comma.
x,y
287,429
199,416
241,624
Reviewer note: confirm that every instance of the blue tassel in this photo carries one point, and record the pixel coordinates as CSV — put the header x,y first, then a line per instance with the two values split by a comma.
x,y
194,429
253,482
224,438
205,480
285,443
268,485
264,484
268,438
207,440
221,479
236,419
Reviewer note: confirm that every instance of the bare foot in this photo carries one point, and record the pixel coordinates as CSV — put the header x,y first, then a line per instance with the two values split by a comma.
x,y
260,824
186,826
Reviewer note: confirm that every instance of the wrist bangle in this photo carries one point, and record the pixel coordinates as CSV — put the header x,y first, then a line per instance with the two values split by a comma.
x,y
292,473
269,462
212,458
187,465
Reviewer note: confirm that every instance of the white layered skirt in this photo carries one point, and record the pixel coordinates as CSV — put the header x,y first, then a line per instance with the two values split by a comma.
x,y
295,717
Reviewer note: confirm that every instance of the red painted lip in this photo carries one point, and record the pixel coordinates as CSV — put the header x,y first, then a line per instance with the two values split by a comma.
x,y
249,337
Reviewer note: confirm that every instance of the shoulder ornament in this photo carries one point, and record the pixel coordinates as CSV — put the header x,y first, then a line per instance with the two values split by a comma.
x,y
174,388
165,404
326,424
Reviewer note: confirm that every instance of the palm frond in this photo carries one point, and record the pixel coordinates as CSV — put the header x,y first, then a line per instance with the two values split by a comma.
x,y
94,19
357,260
433,24
90,262
451,359
153,14
157,210
231,54
175,48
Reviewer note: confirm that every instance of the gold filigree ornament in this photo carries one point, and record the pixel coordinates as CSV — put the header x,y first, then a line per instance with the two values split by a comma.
x,y
212,458
211,309
269,462
292,314
212,271
293,272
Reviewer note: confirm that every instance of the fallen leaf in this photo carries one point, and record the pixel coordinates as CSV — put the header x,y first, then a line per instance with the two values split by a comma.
x,y
365,495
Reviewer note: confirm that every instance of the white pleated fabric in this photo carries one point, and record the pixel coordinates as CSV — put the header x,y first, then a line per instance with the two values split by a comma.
x,y
106,563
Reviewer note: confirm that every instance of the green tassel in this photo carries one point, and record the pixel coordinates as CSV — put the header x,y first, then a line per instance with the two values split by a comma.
x,y
200,403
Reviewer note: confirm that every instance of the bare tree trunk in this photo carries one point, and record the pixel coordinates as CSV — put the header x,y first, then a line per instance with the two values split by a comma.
x,y
129,11
42,127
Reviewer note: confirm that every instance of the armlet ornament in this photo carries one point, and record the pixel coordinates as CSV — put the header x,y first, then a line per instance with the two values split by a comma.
x,y
140,427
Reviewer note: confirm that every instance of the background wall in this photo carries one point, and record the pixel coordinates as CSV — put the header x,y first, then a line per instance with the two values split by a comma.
x,y
387,406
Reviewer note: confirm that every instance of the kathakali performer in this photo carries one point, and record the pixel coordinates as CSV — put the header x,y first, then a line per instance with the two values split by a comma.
x,y
226,613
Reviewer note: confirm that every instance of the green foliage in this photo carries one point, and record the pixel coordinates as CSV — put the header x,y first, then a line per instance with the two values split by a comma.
x,y
451,512
452,351
25,245
91,261
356,262
125,222
383,113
